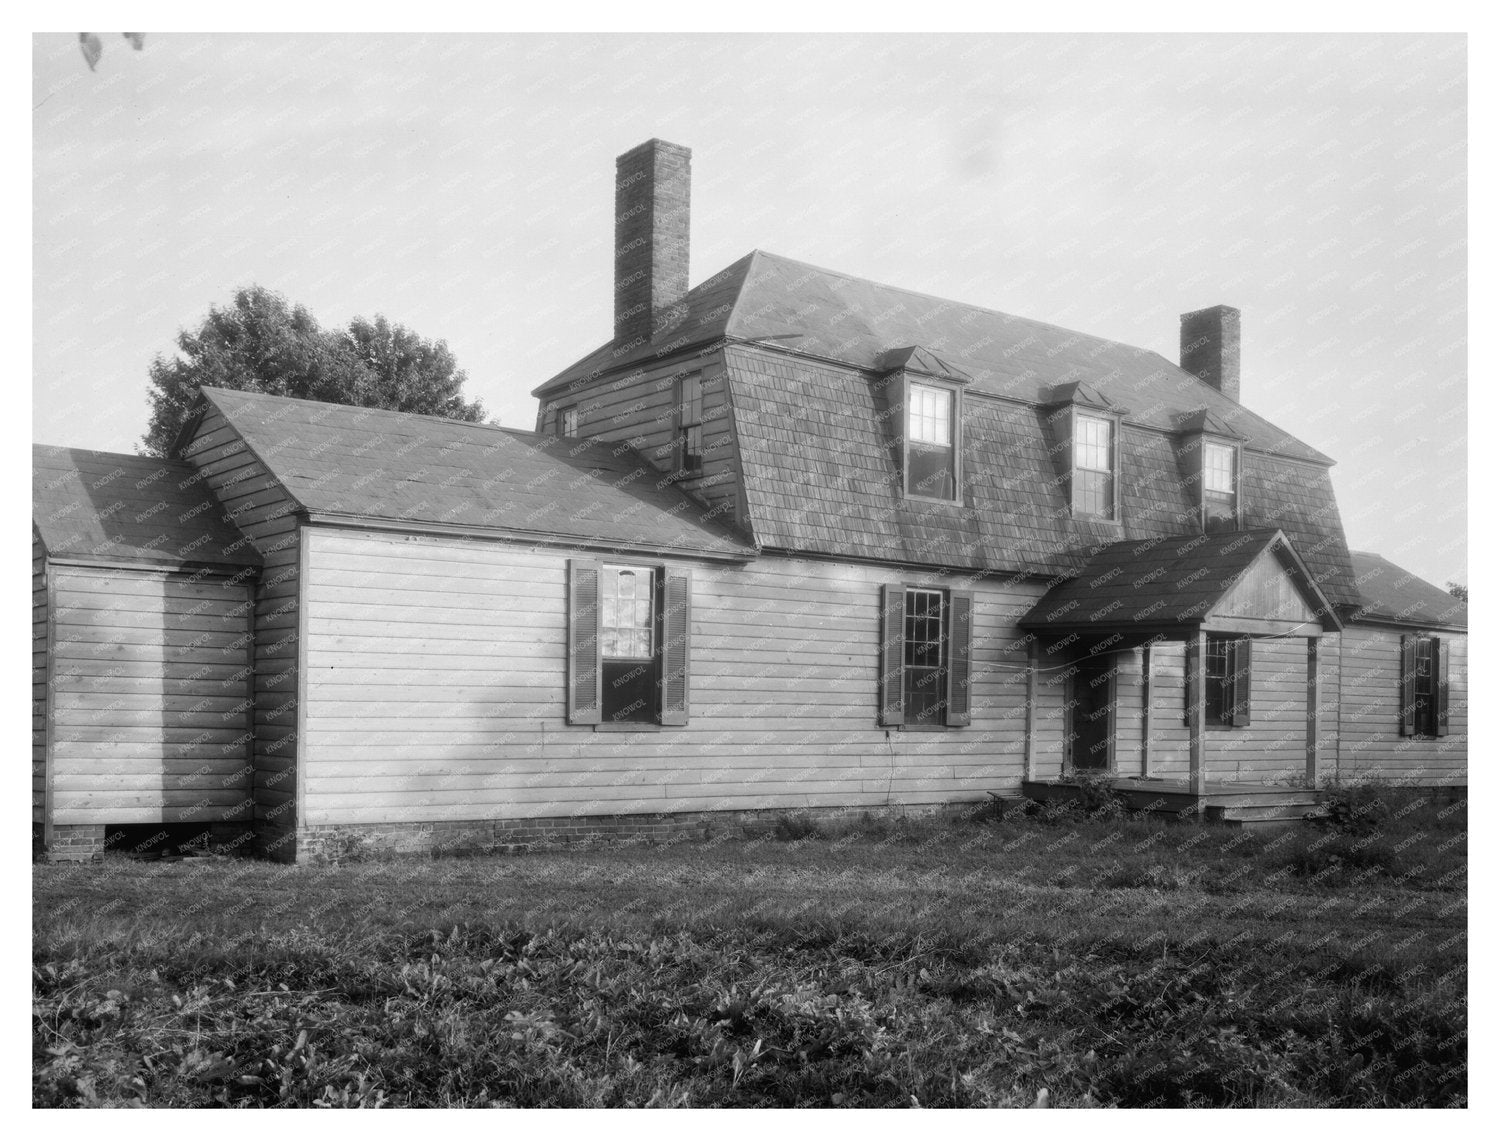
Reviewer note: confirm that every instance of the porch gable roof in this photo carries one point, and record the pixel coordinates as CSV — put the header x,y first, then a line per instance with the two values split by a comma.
x,y
1245,582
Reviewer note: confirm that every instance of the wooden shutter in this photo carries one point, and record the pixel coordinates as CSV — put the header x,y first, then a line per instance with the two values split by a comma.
x,y
1440,684
892,653
677,600
1408,685
584,700
1240,705
960,638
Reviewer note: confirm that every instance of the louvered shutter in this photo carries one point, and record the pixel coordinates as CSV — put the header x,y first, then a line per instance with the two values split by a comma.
x,y
1408,685
1241,694
960,638
892,646
583,642
677,599
1440,684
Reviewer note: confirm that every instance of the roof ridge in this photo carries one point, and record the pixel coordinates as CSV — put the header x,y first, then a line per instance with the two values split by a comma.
x,y
951,301
35,447
370,408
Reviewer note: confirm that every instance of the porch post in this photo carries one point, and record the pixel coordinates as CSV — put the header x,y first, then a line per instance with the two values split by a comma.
x,y
1313,700
1146,710
1197,653
1033,663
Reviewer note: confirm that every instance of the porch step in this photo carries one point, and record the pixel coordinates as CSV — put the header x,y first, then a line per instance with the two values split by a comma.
x,y
1274,798
1288,811
1264,825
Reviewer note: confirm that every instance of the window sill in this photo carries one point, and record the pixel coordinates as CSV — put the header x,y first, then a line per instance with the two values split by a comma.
x,y
627,727
931,499
924,728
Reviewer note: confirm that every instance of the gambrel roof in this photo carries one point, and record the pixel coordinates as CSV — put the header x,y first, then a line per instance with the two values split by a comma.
x,y
768,299
371,465
807,352
1389,594
108,507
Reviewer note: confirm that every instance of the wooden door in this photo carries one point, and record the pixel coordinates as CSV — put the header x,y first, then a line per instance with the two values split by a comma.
x,y
1091,714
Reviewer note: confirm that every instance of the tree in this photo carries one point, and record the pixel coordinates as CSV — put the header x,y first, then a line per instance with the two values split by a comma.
x,y
409,373
1459,591
263,343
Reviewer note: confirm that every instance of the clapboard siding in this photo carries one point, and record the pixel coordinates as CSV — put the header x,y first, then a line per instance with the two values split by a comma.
x,y
266,516
1272,748
40,681
436,673
640,408
150,717
1371,743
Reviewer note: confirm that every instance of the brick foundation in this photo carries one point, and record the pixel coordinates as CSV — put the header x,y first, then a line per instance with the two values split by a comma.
x,y
337,842
72,843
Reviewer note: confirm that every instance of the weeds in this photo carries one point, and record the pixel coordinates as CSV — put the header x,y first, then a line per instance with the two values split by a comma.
x,y
868,962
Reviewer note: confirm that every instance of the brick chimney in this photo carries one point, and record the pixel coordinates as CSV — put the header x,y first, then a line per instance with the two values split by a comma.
x,y
652,185
1211,347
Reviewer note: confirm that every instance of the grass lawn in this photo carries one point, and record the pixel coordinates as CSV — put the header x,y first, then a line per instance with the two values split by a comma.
x,y
1109,961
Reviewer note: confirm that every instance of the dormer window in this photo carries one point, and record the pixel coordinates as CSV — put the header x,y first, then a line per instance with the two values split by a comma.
x,y
567,421
1220,483
1094,459
931,430
690,425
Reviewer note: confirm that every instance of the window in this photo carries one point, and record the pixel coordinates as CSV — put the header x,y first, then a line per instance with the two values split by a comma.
x,y
690,425
1093,467
1424,686
1226,683
567,421
1219,507
924,656
627,644
931,457
924,676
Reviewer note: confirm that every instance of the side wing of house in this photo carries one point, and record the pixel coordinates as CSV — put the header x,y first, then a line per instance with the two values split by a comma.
x,y
668,412
149,713
437,694
1382,735
141,644
40,654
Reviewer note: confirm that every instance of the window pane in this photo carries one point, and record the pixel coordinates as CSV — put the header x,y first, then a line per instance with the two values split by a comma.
x,y
929,419
625,612
1092,444
568,422
1218,681
692,400
925,657
1218,468
929,470
1095,493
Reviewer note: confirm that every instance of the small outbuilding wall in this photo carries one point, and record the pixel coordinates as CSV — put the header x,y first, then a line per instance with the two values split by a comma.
x,y
149,718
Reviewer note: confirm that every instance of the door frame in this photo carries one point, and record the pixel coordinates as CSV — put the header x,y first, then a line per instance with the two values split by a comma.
x,y
1111,666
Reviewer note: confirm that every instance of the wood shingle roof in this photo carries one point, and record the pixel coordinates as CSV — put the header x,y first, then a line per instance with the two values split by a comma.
x,y
1389,594
1171,584
110,507
383,467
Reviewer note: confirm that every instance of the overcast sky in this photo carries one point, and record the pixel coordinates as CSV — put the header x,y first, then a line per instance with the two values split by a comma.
x,y
463,186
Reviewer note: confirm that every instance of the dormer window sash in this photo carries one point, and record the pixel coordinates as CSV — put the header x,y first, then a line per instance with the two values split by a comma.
x,y
1219,484
932,443
1095,465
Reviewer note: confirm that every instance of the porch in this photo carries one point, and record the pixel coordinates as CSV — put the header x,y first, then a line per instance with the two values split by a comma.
x,y
1237,804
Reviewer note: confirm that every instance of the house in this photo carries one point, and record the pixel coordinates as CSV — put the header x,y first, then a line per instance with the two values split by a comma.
x,y
790,540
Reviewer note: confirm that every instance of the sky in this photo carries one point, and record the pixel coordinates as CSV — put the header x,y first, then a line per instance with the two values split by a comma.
x,y
462,185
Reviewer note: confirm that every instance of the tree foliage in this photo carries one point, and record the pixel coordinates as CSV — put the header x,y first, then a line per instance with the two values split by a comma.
x,y
264,343
1459,591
